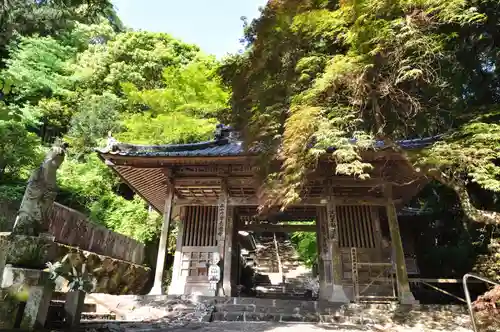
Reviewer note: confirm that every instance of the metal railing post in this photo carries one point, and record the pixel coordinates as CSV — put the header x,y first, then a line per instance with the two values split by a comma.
x,y
467,295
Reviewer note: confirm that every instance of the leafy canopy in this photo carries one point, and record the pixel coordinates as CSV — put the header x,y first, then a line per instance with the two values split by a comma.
x,y
318,73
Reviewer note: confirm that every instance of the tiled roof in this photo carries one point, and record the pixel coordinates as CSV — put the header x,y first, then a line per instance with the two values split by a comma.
x,y
221,147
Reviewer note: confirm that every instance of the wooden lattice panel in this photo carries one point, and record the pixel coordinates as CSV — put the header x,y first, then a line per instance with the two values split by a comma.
x,y
357,226
200,225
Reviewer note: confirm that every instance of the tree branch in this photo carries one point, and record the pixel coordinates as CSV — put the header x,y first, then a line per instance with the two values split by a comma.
x,y
473,213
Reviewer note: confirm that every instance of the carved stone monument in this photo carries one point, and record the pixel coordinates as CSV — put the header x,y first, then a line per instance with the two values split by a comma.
x,y
39,196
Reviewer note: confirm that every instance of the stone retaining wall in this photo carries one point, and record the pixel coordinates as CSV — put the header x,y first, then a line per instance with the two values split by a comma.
x,y
73,228
28,254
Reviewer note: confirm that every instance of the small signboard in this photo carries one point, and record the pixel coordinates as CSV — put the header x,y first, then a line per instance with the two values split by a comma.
x,y
214,273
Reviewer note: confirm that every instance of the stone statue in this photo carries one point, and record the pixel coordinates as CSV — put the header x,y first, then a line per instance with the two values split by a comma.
x,y
40,194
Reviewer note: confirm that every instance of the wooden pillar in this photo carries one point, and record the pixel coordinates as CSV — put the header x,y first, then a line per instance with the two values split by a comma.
x,y
405,295
162,248
336,255
177,284
222,214
227,284
325,259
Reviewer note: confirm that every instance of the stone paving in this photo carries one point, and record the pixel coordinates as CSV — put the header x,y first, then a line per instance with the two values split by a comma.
x,y
148,313
257,327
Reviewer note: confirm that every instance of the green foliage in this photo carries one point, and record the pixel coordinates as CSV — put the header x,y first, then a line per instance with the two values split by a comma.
x,y
306,245
182,112
27,18
138,57
18,151
89,186
166,128
11,192
130,218
84,182
96,116
38,67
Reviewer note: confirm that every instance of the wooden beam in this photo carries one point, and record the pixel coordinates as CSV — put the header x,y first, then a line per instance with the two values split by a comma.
x,y
273,228
335,181
253,201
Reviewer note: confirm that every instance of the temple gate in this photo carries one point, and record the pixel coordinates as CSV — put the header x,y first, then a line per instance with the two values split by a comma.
x,y
211,191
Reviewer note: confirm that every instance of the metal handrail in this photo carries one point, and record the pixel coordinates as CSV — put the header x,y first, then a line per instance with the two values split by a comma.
x,y
467,294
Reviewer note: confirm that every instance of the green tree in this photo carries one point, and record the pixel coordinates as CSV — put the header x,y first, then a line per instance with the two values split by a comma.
x,y
18,151
137,57
184,111
95,117
319,73
49,18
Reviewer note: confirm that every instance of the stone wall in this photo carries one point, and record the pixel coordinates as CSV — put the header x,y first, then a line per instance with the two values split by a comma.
x,y
71,227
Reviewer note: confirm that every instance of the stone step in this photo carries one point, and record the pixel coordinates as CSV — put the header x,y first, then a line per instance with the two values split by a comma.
x,y
263,317
290,318
87,307
303,307
86,316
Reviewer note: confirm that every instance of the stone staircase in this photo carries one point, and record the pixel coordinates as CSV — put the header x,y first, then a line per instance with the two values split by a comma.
x,y
285,283
261,309
276,310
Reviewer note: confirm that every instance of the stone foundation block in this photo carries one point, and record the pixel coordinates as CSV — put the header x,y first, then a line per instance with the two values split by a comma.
x,y
73,308
37,305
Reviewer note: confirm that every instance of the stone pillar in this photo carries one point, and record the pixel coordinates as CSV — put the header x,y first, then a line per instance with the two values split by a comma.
x,y
405,295
221,235
73,306
37,305
338,294
162,247
177,285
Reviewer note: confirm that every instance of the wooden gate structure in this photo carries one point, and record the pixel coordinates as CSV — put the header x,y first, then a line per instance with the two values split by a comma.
x,y
210,189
